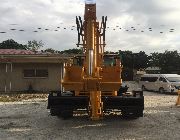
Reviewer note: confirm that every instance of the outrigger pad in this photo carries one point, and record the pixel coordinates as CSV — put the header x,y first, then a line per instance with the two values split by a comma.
x,y
128,105
61,102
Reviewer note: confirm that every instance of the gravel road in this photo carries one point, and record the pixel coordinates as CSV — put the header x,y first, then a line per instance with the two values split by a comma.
x,y
30,120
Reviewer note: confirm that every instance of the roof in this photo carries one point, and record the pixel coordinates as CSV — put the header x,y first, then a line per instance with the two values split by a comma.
x,y
153,68
150,75
14,51
18,52
171,75
164,75
28,56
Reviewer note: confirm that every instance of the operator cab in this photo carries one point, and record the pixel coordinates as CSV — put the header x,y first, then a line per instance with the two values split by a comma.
x,y
111,60
78,60
108,60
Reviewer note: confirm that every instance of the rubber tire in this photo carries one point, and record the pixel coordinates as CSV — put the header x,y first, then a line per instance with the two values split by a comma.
x,y
130,115
54,111
66,114
161,90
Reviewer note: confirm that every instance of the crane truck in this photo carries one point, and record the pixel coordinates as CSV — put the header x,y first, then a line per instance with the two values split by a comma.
x,y
92,81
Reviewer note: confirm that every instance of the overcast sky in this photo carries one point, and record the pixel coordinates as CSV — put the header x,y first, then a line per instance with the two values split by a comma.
x,y
29,15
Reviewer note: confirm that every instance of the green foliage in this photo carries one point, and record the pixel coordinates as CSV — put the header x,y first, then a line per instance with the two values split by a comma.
x,y
127,58
110,52
134,60
50,50
140,60
35,45
154,59
72,51
11,44
169,62
131,61
31,45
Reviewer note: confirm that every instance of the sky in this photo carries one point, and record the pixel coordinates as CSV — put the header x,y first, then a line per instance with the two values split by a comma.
x,y
58,16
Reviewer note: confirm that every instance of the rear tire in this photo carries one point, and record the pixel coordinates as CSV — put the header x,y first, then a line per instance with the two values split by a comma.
x,y
66,114
161,90
134,114
54,112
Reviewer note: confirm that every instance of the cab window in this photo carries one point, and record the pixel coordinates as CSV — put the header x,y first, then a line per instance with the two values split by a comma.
x,y
162,79
149,79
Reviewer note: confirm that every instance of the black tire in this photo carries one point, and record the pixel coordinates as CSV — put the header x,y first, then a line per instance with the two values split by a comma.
x,y
134,114
66,114
161,90
54,112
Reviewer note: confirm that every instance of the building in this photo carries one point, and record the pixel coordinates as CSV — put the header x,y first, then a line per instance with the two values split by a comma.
x,y
24,70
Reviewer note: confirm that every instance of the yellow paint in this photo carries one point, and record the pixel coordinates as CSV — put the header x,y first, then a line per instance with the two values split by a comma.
x,y
178,99
93,79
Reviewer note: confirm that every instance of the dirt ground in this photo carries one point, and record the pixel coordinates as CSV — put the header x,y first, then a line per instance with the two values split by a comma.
x,y
31,120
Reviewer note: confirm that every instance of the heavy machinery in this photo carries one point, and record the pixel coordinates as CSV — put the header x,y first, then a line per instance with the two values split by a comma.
x,y
92,81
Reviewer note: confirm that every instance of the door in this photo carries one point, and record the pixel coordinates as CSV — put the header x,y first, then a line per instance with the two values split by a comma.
x,y
163,84
152,83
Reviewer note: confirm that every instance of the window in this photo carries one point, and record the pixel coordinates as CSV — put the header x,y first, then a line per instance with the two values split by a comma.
x,y
29,73
162,79
109,61
149,79
153,79
42,73
35,73
143,79
174,79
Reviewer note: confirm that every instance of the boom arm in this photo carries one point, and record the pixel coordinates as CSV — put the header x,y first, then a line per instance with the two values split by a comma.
x,y
93,41
93,78
91,35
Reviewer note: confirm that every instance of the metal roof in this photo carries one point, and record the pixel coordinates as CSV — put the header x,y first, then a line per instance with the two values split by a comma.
x,y
28,56
153,68
14,51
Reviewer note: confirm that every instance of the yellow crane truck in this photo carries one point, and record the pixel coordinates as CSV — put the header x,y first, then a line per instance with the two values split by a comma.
x,y
92,81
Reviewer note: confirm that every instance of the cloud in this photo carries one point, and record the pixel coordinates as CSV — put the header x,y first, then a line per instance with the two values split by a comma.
x,y
161,16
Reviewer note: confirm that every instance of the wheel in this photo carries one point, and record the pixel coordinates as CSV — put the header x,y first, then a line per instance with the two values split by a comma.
x,y
134,114
143,88
54,112
66,114
161,90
